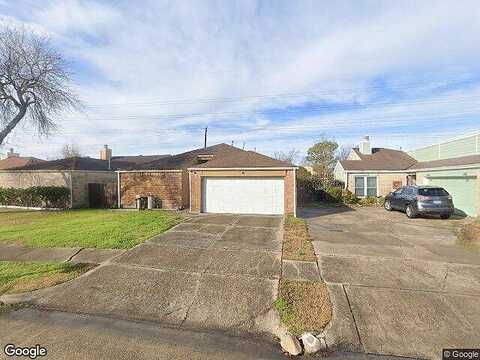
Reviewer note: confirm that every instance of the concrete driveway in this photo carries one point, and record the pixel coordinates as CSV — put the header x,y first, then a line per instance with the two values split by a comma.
x,y
213,272
399,286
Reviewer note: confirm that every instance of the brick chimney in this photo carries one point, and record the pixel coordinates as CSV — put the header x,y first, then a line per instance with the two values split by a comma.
x,y
11,153
365,147
106,153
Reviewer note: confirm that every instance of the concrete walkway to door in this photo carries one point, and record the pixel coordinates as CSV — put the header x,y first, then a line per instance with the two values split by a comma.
x,y
213,272
399,286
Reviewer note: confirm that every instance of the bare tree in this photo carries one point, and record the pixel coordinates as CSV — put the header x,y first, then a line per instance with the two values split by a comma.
x,y
343,152
70,151
34,82
291,156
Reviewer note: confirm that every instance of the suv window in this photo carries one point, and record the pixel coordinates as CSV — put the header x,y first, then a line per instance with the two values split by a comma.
x,y
408,191
398,192
432,192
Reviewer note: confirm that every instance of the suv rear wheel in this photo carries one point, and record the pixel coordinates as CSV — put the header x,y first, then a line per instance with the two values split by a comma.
x,y
387,205
410,211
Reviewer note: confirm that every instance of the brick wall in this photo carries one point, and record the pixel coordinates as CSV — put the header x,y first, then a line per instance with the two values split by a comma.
x,y
165,186
289,192
80,181
25,179
195,192
385,181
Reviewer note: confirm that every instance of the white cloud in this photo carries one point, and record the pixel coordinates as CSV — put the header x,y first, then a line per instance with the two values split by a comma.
x,y
143,55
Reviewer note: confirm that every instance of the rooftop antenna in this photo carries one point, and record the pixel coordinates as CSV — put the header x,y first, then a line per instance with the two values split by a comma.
x,y
243,147
233,143
205,137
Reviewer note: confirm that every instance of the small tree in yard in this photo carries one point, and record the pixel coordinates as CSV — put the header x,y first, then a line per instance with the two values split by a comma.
x,y
34,82
322,157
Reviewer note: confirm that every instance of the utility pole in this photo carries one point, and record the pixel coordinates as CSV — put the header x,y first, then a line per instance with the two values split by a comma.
x,y
205,140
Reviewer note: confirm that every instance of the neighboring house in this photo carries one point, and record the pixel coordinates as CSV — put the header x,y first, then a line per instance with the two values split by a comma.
x,y
14,160
374,171
92,182
452,164
216,179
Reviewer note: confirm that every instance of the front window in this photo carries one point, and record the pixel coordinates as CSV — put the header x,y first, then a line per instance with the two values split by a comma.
x,y
365,186
359,186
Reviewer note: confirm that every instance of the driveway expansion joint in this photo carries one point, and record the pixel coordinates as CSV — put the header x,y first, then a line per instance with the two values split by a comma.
x,y
75,254
353,317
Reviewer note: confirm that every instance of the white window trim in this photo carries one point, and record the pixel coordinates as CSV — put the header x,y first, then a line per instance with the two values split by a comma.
x,y
365,191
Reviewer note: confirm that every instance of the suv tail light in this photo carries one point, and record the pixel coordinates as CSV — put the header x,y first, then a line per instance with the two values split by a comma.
x,y
423,198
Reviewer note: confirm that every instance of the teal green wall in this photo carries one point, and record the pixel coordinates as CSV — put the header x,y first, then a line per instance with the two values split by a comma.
x,y
425,154
459,172
469,145
462,184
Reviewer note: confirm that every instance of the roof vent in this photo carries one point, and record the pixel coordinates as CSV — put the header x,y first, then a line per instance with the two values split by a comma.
x,y
204,157
365,147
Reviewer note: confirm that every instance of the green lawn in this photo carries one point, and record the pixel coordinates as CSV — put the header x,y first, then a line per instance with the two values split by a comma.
x,y
84,228
18,277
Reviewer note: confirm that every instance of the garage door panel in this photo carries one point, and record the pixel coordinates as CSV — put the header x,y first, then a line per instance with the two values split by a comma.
x,y
246,195
462,189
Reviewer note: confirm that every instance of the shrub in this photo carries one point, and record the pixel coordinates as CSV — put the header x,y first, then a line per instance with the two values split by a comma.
x,y
349,197
36,196
333,194
368,201
372,201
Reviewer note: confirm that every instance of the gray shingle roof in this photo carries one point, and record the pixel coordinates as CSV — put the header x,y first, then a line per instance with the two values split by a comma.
x,y
380,159
17,161
459,161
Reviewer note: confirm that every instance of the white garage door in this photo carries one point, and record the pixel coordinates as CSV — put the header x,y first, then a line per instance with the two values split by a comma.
x,y
245,195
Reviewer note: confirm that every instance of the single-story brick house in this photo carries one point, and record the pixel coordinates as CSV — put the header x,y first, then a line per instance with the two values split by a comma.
x,y
452,164
79,174
215,179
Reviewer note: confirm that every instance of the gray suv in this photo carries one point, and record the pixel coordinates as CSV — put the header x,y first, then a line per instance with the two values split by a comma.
x,y
419,200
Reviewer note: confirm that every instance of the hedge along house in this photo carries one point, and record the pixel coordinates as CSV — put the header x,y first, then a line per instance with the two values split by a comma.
x,y
374,171
215,179
92,182
453,164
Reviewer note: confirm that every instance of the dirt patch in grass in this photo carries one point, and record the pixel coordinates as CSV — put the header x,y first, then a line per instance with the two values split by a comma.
x,y
18,277
304,306
297,244
469,234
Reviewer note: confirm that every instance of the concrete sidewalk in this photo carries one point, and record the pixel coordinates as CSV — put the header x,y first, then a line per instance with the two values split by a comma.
x,y
78,255
85,337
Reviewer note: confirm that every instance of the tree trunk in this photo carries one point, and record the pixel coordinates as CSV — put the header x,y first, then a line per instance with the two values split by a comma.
x,y
11,125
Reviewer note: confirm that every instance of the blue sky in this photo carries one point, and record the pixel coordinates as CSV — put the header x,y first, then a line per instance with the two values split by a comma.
x,y
274,75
